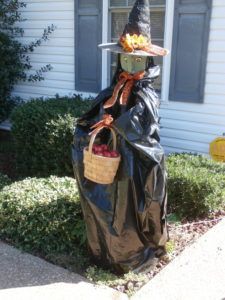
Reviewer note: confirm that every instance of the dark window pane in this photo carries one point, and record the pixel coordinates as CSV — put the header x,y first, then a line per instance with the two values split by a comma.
x,y
152,2
158,60
119,21
118,3
157,25
157,2
192,1
113,64
131,2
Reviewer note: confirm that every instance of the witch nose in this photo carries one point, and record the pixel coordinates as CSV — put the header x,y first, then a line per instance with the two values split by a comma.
x,y
130,68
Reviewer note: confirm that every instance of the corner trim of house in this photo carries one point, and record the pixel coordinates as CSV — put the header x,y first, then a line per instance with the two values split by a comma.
x,y
168,45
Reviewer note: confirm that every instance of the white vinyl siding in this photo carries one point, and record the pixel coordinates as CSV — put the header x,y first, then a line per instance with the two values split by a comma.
x,y
58,51
188,127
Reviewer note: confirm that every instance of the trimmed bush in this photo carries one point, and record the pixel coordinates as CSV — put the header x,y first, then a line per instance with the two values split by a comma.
x,y
196,185
42,215
43,132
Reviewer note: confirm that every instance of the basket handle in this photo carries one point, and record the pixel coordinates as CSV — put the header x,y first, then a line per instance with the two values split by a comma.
x,y
93,136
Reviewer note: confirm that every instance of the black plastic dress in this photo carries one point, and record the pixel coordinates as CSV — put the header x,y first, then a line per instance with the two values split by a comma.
x,y
126,220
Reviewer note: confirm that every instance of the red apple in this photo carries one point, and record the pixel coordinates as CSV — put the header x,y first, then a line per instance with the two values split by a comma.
x,y
100,153
114,154
93,151
107,154
98,148
104,147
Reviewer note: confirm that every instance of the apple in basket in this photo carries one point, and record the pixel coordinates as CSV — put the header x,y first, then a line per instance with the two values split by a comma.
x,y
96,148
107,154
99,148
114,154
103,150
105,147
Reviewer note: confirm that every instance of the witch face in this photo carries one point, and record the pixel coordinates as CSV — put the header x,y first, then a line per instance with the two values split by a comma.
x,y
133,63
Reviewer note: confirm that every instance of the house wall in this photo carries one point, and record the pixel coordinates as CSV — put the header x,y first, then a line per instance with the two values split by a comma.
x,y
191,127
58,51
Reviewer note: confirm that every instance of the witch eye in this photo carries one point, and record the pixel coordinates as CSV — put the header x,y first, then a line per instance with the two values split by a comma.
x,y
138,59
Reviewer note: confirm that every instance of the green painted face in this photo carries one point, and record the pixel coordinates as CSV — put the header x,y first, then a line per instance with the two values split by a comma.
x,y
133,63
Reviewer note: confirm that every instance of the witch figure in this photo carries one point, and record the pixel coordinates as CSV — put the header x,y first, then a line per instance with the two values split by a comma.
x,y
125,219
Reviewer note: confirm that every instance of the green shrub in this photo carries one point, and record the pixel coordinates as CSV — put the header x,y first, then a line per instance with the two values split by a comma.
x,y
42,215
196,185
43,132
4,180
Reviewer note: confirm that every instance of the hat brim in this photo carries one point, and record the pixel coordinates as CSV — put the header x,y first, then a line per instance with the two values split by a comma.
x,y
154,50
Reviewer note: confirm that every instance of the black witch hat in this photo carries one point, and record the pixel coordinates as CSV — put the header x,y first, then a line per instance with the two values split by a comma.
x,y
136,37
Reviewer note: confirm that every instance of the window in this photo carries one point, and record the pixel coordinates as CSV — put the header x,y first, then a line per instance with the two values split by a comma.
x,y
118,17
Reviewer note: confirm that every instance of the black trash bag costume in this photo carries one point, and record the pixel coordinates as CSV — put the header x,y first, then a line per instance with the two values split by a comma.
x,y
126,220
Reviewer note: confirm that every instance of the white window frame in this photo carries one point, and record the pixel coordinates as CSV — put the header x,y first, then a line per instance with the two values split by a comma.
x,y
168,37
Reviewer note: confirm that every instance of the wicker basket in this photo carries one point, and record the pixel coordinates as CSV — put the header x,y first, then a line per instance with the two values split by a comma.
x,y
98,168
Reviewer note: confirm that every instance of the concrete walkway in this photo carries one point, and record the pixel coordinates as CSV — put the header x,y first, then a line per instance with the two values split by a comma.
x,y
25,277
197,274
